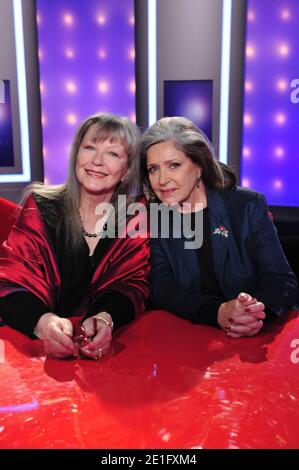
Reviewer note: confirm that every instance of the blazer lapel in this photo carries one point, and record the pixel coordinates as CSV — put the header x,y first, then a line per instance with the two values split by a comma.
x,y
220,233
220,230
187,255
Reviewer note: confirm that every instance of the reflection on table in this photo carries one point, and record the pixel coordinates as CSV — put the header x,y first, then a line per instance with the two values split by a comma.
x,y
165,384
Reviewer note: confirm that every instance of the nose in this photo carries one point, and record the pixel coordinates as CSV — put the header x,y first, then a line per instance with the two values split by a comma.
x,y
97,158
163,177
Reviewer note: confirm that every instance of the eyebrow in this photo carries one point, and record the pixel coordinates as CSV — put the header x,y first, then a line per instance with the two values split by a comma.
x,y
94,140
173,160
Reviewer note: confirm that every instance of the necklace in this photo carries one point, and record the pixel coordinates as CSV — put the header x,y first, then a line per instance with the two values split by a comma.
x,y
92,235
95,235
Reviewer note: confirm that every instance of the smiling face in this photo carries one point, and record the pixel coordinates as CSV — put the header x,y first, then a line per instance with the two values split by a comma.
x,y
172,175
101,164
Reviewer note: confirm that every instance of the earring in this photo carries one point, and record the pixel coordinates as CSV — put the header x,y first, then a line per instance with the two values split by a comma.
x,y
198,180
152,196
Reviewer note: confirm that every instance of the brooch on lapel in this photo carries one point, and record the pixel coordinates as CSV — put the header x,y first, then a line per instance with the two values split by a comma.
x,y
221,231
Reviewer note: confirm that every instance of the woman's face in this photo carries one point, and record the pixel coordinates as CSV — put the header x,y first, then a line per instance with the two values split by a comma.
x,y
172,175
101,165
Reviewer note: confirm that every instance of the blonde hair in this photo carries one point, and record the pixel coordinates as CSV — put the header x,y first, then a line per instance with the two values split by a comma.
x,y
108,126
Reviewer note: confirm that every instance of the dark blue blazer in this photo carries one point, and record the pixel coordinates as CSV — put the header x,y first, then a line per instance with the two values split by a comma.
x,y
249,259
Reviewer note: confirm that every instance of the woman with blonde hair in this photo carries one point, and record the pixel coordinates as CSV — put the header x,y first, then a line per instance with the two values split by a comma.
x,y
60,260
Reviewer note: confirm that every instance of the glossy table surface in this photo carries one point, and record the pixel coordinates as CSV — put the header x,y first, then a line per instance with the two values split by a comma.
x,y
165,384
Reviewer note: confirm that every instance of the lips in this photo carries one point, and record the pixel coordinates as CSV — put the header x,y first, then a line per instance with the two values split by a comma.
x,y
167,192
96,174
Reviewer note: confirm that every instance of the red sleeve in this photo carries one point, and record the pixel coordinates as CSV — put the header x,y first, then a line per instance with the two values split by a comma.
x,y
27,260
125,267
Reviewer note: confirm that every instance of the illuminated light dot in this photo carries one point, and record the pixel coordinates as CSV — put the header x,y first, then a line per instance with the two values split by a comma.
x,y
44,120
283,50
101,19
132,20
195,109
103,87
71,118
70,87
250,51
280,118
38,19
282,85
251,15
246,183
132,53
277,184
248,119
45,152
132,86
246,152
69,53
42,88
248,86
40,53
68,19
102,53
46,181
285,14
279,152
133,118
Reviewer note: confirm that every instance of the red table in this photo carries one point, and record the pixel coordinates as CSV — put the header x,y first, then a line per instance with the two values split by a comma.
x,y
165,384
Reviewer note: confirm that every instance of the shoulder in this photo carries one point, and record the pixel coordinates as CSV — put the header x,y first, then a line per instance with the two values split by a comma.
x,y
50,208
242,198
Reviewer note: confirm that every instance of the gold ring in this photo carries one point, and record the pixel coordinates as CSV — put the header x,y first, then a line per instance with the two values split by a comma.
x,y
100,353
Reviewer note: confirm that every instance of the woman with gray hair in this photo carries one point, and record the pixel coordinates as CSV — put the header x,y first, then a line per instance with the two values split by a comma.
x,y
61,261
238,275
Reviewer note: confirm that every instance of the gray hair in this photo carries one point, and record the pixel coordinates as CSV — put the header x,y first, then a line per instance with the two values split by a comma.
x,y
108,126
188,138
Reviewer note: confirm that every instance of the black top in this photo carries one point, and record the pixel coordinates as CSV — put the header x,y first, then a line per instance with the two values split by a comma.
x,y
22,310
208,313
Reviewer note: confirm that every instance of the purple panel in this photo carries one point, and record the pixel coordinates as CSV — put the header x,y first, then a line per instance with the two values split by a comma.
x,y
270,161
6,139
87,65
192,99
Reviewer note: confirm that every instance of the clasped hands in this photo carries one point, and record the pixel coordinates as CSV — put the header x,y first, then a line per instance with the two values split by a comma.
x,y
242,316
60,341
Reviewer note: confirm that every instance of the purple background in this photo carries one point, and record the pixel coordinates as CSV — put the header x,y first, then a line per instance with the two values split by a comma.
x,y
87,65
270,161
6,141
192,99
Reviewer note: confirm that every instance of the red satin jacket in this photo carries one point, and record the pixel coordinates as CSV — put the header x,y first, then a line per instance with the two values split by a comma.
x,y
28,262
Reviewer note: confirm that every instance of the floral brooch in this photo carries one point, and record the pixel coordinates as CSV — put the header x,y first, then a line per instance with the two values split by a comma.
x,y
221,231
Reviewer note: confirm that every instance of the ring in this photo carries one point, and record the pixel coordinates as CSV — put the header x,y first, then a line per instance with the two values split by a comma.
x,y
100,353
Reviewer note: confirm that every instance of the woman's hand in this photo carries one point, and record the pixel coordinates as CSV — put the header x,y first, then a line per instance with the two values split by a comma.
x,y
242,316
56,334
100,332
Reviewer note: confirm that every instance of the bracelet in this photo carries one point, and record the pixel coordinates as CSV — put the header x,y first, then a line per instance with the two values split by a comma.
x,y
104,320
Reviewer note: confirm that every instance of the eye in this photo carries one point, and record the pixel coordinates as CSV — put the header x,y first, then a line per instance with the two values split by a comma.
x,y
174,165
152,169
88,147
113,154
